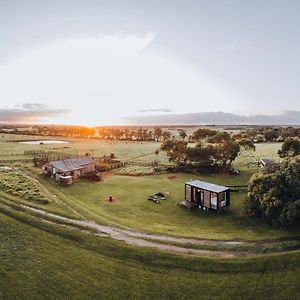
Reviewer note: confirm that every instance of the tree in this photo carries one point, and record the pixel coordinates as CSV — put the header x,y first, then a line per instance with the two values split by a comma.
x,y
202,133
219,155
274,194
201,155
290,216
271,135
290,147
227,152
182,133
86,132
264,196
157,133
143,134
246,144
166,135
289,132
245,134
220,137
175,150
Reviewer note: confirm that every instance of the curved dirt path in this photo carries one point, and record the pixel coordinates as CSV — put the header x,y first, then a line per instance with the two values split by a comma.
x,y
135,238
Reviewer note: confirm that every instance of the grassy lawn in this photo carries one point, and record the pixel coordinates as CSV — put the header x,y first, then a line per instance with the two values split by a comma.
x,y
130,207
43,261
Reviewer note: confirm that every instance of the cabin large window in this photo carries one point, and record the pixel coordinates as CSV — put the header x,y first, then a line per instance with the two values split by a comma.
x,y
214,200
188,192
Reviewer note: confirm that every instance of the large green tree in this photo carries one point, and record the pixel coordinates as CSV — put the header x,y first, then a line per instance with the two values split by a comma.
x,y
175,150
202,133
274,194
201,155
290,147
226,153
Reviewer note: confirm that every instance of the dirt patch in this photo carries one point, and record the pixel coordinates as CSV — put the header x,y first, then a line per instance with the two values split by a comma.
x,y
171,177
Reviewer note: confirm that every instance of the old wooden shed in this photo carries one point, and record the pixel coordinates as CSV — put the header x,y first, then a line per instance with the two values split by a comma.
x,y
75,167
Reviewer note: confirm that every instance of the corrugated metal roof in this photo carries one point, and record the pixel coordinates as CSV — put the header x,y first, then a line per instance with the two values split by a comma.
x,y
72,163
207,186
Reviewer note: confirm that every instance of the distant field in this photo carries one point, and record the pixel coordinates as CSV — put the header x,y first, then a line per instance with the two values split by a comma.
x,y
142,152
134,152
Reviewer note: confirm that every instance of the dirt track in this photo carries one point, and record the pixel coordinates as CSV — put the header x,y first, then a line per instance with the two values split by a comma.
x,y
140,239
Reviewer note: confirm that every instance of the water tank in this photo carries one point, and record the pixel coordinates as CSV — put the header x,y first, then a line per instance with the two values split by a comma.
x,y
65,180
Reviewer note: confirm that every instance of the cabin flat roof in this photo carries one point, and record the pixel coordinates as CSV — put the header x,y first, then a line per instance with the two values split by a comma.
x,y
207,186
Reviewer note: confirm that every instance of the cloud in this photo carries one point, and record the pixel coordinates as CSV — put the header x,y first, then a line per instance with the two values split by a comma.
x,y
233,48
156,110
229,48
33,106
29,113
217,118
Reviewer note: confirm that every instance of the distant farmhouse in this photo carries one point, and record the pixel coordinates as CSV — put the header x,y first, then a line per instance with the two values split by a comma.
x,y
205,195
65,171
266,162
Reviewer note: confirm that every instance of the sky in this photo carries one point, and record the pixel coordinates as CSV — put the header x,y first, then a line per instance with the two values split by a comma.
x,y
123,62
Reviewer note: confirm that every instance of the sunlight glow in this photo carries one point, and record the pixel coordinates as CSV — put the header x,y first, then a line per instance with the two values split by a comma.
x,y
102,79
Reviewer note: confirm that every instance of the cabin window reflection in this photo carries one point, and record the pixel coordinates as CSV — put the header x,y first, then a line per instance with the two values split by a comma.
x,y
214,200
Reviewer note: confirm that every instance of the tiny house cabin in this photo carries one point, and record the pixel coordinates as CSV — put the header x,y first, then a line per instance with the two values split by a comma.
x,y
205,195
266,162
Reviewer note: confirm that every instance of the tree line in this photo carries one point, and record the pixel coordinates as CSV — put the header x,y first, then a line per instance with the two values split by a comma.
x,y
269,134
257,134
108,133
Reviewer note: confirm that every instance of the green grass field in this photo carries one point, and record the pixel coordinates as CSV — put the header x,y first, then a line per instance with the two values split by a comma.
x,y
43,261
39,258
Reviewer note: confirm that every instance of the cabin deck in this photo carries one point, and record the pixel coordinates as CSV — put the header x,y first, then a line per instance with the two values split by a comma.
x,y
187,204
